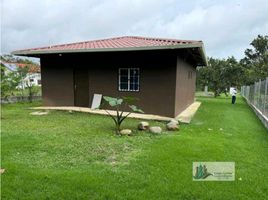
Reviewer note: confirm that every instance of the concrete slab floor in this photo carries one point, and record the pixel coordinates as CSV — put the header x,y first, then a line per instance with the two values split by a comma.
x,y
187,115
184,117
103,112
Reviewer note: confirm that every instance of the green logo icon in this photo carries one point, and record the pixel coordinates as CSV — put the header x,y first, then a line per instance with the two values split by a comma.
x,y
201,172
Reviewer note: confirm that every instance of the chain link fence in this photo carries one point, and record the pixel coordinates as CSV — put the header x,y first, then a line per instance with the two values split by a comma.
x,y
15,99
257,95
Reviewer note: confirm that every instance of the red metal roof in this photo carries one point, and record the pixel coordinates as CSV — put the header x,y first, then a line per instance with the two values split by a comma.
x,y
116,43
31,68
126,43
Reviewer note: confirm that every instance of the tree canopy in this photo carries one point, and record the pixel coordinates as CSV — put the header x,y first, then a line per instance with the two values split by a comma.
x,y
221,74
255,61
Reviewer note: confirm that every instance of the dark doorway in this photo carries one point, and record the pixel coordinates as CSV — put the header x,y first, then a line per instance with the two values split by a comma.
x,y
81,89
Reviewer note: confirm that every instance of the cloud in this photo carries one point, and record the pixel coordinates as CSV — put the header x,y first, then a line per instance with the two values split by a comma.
x,y
226,27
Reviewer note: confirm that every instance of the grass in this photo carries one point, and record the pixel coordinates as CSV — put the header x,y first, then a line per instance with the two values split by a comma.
x,y
77,156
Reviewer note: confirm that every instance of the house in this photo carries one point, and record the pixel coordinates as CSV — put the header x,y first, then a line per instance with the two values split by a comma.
x,y
8,67
33,77
159,72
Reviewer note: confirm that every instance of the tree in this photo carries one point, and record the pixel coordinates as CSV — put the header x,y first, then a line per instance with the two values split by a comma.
x,y
15,80
119,103
9,82
234,72
26,84
220,75
255,61
20,75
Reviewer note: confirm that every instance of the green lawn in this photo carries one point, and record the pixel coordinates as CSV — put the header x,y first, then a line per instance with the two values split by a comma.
x,y
77,156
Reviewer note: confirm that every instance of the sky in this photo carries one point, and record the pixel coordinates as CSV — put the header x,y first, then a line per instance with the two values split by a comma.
x,y
226,27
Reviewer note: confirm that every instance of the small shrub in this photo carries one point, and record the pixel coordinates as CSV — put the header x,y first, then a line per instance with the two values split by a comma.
x,y
119,103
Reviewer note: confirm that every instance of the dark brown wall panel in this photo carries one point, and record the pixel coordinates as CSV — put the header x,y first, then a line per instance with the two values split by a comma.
x,y
156,95
161,92
157,79
57,83
185,85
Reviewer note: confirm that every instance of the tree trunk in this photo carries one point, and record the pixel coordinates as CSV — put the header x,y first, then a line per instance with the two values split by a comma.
x,y
30,97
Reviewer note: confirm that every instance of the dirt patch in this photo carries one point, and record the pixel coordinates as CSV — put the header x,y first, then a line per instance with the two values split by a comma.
x,y
39,113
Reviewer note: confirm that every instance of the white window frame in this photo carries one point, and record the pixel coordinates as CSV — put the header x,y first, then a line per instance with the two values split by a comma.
x,y
128,85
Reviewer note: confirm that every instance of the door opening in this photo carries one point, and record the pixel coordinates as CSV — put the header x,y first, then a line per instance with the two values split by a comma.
x,y
81,87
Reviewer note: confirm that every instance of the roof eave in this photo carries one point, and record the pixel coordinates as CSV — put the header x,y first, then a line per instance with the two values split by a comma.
x,y
203,54
37,52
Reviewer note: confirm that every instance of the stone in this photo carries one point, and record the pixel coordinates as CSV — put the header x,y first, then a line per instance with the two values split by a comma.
x,y
155,129
174,121
172,126
143,126
125,132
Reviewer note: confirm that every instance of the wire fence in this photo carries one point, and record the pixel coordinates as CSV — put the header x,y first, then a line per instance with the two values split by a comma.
x,y
15,99
257,95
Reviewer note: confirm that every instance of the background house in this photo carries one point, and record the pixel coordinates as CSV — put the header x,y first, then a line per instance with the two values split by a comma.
x,y
159,72
33,76
9,67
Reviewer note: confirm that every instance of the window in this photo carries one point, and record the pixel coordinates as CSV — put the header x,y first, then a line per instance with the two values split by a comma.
x,y
129,79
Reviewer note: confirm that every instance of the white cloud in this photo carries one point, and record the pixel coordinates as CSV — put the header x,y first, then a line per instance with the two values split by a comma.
x,y
226,27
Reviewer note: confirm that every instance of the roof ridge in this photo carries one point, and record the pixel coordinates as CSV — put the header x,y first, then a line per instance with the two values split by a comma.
x,y
72,43
117,42
121,37
165,39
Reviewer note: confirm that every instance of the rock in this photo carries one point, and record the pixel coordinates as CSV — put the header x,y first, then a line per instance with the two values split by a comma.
x,y
172,126
174,121
125,132
2,171
143,125
155,129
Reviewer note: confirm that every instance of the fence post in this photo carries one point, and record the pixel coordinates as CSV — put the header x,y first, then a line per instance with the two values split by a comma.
x,y
248,91
254,96
265,96
259,102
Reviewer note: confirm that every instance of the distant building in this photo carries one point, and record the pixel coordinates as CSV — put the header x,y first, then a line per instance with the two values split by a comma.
x,y
33,77
9,67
